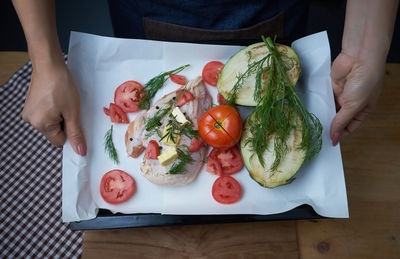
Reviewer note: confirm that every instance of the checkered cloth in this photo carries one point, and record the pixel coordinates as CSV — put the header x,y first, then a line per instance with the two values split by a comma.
x,y
30,184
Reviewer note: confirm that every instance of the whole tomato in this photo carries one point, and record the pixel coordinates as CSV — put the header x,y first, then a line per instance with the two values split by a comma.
x,y
221,126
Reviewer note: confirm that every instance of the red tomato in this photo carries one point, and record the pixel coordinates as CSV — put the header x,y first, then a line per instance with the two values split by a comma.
x,y
106,111
195,145
221,99
117,115
211,72
226,190
230,161
214,165
178,79
127,96
116,186
152,150
184,97
221,126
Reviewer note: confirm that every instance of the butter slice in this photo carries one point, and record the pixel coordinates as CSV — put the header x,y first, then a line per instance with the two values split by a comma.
x,y
168,141
179,116
168,156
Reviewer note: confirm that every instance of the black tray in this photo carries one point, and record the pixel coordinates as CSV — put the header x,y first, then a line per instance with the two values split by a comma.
x,y
107,220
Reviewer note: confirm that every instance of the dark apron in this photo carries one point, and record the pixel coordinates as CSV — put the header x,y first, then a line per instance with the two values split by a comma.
x,y
216,22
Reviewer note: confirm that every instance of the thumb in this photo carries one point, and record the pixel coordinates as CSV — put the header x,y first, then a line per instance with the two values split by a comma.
x,y
75,135
340,122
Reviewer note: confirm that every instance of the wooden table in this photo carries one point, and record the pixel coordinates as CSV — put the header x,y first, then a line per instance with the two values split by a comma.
x,y
371,159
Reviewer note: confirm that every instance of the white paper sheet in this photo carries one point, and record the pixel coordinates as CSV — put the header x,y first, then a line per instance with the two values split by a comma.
x,y
100,64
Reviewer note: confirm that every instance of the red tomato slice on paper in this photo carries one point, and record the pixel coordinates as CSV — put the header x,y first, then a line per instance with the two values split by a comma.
x,y
178,79
221,100
195,145
184,96
116,186
152,150
211,71
106,111
230,161
117,115
226,190
127,96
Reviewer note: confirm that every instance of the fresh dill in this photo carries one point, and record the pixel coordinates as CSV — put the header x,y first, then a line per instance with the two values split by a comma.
x,y
175,128
151,87
153,124
184,158
279,110
109,146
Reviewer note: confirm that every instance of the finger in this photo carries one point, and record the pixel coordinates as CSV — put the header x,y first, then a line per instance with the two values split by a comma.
x,y
51,129
340,122
55,135
75,134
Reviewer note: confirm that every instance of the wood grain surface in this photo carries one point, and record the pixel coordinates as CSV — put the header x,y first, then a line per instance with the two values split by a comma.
x,y
371,160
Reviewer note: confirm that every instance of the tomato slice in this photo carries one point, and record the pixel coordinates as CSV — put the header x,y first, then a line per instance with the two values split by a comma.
x,y
152,150
211,72
221,126
106,111
195,145
127,96
226,190
178,79
184,96
117,115
230,161
221,99
116,186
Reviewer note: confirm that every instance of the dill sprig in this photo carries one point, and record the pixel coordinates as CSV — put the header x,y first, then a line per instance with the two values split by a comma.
x,y
109,146
175,128
154,123
184,158
279,110
150,88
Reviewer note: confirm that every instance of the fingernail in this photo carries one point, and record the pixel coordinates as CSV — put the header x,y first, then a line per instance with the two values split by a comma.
x,y
335,139
82,149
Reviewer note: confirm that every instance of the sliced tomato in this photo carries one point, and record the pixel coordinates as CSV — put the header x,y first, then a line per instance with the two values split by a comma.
x,y
184,96
195,145
214,165
116,186
211,72
178,79
152,150
127,96
221,99
117,115
106,111
230,161
226,190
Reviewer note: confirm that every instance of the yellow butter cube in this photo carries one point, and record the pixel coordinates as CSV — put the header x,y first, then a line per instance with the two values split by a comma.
x,y
168,156
179,116
167,140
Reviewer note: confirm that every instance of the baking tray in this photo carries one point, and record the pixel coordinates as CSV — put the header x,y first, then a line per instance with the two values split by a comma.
x,y
107,220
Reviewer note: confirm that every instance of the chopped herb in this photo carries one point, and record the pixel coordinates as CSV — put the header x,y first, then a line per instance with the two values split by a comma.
x,y
154,122
150,88
175,128
109,146
184,158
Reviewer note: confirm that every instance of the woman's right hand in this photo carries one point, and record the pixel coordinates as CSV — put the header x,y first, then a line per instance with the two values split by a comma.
x,y
53,99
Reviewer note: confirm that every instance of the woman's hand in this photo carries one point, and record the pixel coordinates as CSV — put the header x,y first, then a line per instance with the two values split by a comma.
x,y
53,99
357,86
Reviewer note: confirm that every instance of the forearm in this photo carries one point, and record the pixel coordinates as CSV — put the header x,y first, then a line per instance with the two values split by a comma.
x,y
39,24
369,28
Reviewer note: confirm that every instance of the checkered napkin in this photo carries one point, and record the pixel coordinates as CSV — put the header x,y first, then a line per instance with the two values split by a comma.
x,y
30,184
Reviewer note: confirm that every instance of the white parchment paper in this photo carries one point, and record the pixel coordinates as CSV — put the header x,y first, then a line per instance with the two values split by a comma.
x,y
100,64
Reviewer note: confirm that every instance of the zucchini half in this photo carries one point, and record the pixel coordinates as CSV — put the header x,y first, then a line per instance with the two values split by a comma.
x,y
238,64
288,166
